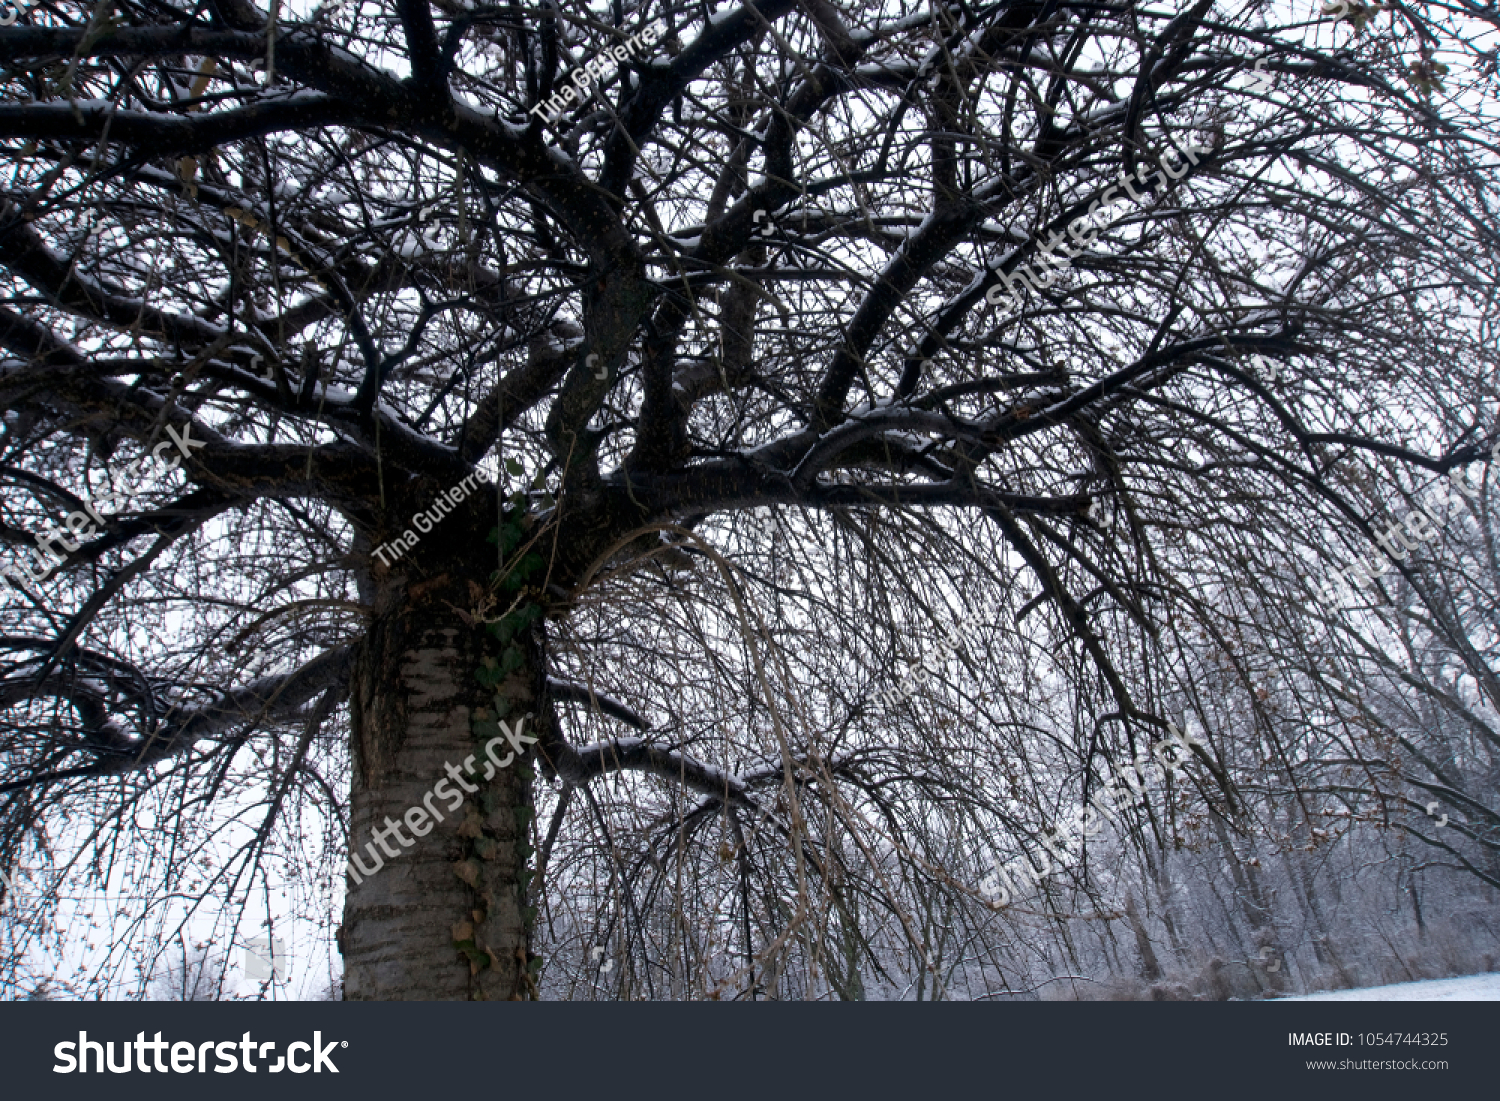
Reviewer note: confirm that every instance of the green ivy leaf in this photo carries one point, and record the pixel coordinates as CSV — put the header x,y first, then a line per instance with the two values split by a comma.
x,y
469,949
510,536
511,659
505,628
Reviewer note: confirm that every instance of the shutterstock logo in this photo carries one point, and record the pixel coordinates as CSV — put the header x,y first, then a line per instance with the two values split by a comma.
x,y
190,1059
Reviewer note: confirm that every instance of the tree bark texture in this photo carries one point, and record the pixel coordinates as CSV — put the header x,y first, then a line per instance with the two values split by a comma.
x,y
448,916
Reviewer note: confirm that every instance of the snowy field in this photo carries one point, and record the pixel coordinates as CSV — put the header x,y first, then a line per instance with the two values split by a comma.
x,y
1470,988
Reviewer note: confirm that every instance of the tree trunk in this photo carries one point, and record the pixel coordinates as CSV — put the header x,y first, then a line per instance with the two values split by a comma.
x,y
1150,967
448,916
1322,941
1265,966
1166,904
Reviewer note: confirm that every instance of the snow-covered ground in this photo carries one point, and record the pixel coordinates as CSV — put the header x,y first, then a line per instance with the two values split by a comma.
x,y
1470,988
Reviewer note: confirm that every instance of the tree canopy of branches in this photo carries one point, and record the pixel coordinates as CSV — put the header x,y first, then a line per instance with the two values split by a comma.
x,y
671,422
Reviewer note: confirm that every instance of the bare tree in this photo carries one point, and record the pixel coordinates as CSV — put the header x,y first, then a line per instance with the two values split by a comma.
x,y
498,377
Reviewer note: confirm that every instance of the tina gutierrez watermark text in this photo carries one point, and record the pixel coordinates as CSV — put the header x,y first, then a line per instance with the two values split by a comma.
x,y
431,518
584,75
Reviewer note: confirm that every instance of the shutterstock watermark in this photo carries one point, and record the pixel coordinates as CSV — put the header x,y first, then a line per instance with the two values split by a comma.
x,y
1171,753
917,671
418,820
13,11
80,524
1422,524
1081,230
10,904
187,1058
